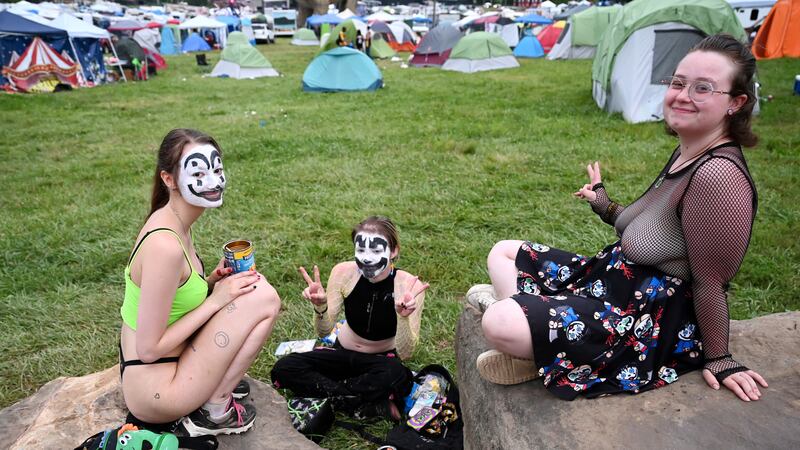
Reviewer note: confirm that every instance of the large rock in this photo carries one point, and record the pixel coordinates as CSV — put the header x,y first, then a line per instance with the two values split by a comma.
x,y
66,411
687,414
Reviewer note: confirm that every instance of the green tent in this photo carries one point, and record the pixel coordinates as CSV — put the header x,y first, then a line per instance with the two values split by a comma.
x,y
480,51
583,32
239,59
350,34
380,49
304,36
644,45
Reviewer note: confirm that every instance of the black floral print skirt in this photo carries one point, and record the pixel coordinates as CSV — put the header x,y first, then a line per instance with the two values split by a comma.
x,y
604,325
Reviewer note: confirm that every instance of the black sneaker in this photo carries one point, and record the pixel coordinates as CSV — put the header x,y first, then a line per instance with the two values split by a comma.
x,y
238,420
242,390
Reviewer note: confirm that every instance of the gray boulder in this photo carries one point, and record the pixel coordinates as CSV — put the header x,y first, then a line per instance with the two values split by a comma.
x,y
66,411
686,414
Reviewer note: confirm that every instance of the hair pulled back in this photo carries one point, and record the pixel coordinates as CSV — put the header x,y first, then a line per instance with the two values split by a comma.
x,y
169,158
743,82
378,224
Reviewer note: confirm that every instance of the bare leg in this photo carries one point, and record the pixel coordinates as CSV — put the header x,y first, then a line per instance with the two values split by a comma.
x,y
243,360
502,267
506,329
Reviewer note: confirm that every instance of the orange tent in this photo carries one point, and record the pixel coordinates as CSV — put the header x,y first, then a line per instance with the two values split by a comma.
x,y
779,35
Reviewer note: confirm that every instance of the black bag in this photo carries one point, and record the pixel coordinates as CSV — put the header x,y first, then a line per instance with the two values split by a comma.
x,y
311,416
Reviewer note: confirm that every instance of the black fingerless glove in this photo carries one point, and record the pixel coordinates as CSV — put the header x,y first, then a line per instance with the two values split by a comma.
x,y
723,366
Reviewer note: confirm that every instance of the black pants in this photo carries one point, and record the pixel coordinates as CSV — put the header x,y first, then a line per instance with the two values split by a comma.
x,y
337,372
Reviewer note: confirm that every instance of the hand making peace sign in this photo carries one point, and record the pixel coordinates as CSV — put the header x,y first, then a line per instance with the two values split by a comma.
x,y
407,303
314,292
586,192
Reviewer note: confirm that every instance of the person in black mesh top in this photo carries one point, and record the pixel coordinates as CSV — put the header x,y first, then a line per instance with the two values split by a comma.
x,y
652,305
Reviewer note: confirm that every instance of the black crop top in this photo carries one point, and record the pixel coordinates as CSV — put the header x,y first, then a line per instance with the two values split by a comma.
x,y
369,309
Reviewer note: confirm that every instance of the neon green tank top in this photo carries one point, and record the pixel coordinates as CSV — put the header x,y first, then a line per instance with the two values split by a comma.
x,y
189,295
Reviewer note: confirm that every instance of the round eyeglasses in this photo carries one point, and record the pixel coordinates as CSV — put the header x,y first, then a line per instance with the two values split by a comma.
x,y
699,91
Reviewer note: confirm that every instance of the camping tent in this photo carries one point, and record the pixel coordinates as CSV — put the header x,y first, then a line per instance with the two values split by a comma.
x,y
170,43
435,46
38,63
380,49
207,23
779,35
304,36
644,45
17,33
582,33
342,69
480,51
350,35
85,44
529,47
405,38
194,43
549,35
239,60
148,38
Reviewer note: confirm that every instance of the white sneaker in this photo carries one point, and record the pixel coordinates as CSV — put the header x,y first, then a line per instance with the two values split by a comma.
x,y
481,296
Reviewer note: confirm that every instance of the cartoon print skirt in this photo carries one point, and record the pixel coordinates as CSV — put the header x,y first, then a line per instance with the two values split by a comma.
x,y
605,325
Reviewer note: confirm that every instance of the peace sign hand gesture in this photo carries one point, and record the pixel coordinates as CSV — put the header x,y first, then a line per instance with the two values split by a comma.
x,y
586,191
314,292
407,303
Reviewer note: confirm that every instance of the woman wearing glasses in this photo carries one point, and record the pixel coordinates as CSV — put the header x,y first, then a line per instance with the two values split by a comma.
x,y
653,305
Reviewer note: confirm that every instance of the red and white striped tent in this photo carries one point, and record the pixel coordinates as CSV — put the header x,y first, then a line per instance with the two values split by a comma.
x,y
39,61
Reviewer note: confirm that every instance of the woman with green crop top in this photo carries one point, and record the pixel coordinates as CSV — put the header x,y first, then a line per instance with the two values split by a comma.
x,y
188,339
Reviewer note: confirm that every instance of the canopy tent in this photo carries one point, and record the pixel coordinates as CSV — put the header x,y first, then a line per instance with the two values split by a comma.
x,y
380,49
304,36
195,43
549,35
779,35
342,69
529,47
232,22
40,63
148,38
645,43
126,25
383,16
17,33
435,46
583,32
317,20
240,60
207,23
534,19
480,51
85,42
170,43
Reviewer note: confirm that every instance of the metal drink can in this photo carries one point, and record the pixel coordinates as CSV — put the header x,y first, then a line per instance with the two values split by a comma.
x,y
239,255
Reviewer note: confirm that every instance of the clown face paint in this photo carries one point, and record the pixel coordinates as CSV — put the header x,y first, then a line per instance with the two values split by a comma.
x,y
372,254
201,180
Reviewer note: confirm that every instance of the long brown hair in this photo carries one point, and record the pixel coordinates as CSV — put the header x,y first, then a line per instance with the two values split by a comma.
x,y
739,126
169,157
380,225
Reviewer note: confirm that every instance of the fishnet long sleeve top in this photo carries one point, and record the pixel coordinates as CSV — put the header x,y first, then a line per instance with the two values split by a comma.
x,y
694,224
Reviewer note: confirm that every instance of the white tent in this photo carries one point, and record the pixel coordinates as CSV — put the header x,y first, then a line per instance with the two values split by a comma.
x,y
204,22
382,16
148,38
80,29
403,33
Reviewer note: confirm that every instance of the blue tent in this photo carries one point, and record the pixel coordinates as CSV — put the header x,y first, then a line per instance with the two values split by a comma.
x,y
231,21
342,69
332,19
529,47
168,46
534,18
17,32
194,43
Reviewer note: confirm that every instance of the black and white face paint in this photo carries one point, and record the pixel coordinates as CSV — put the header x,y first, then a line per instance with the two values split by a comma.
x,y
201,180
372,254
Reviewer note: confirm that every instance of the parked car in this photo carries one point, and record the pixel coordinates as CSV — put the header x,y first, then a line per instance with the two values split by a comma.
x,y
264,32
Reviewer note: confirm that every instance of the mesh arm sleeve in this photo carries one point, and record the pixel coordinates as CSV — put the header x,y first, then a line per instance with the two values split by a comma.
x,y
603,206
407,336
325,316
717,216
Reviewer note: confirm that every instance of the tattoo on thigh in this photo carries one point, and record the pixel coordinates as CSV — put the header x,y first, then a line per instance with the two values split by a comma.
x,y
231,307
221,339
156,396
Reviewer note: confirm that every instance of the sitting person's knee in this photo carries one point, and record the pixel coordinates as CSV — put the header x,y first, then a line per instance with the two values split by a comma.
x,y
494,324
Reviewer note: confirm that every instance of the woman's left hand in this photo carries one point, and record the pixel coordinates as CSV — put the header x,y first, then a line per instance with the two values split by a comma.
x,y
743,384
407,303
219,272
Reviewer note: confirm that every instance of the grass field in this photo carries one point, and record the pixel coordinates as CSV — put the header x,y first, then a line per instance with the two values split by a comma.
x,y
458,161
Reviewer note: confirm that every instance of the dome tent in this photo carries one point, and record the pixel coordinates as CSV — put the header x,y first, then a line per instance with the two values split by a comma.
x,y
779,36
583,32
480,51
644,45
529,47
342,69
240,60
304,36
380,49
194,43
435,46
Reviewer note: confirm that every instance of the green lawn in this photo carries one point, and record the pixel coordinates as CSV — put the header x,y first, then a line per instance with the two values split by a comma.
x,y
458,161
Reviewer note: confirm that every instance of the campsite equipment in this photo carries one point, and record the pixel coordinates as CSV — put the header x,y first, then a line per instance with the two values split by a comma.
x,y
779,35
644,45
311,416
582,33
342,69
529,47
239,60
201,59
239,255
480,51
435,47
